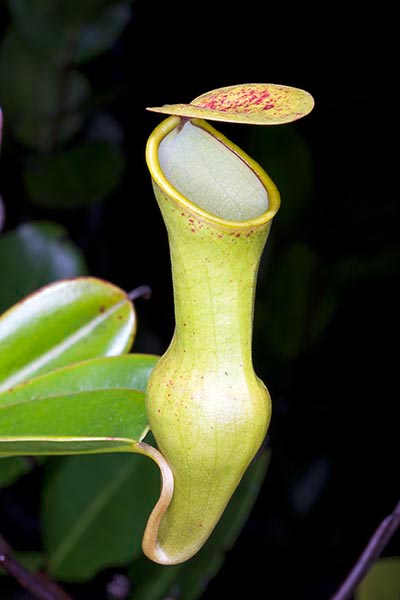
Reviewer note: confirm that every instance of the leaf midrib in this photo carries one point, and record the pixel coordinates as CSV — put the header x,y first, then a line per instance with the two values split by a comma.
x,y
58,349
73,394
87,517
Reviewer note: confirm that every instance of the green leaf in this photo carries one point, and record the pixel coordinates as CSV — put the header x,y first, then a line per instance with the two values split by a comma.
x,y
382,582
40,101
34,255
63,323
130,371
93,421
76,177
76,401
94,513
11,469
153,582
68,32
102,32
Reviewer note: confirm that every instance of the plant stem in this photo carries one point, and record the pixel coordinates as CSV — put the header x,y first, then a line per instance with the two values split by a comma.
x,y
372,551
143,291
39,586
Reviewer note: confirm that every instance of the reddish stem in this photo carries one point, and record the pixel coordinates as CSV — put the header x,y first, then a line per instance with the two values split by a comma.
x,y
372,551
39,586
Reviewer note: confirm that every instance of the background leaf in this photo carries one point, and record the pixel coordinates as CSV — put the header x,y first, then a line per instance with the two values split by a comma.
x,y
33,255
188,580
68,31
382,582
40,103
11,469
102,31
94,513
75,177
63,323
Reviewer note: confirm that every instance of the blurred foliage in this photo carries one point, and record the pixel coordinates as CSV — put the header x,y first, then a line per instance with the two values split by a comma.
x,y
11,469
75,177
53,113
382,582
44,97
300,290
33,255
69,32
95,510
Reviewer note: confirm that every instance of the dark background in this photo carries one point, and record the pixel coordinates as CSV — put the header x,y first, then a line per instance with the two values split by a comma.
x,y
334,432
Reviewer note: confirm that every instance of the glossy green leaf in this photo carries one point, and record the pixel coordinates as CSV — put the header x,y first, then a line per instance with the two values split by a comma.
x,y
94,421
76,177
68,32
130,371
189,580
11,469
63,323
34,255
94,513
382,582
41,105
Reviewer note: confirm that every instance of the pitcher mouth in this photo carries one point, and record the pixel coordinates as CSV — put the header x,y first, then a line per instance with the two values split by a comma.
x,y
153,161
